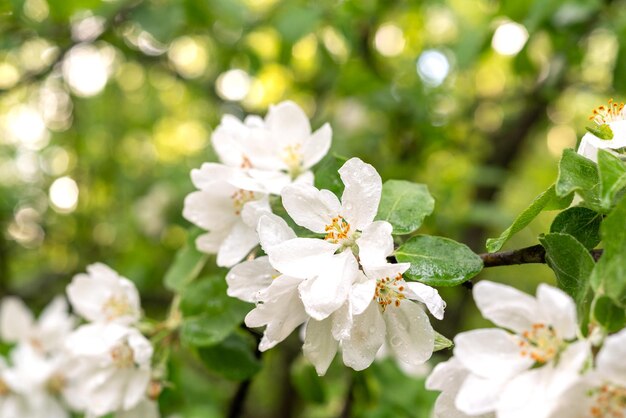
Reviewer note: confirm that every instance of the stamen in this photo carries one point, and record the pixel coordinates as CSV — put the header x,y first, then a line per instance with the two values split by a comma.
x,y
240,198
609,401
292,156
122,356
389,291
540,343
338,230
605,114
245,162
117,306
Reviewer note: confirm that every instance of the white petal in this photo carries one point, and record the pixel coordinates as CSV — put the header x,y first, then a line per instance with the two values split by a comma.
x,y
478,395
325,293
228,140
273,230
301,257
310,207
136,387
361,195
375,243
506,306
316,146
305,178
587,149
342,319
205,177
273,181
210,242
387,270
319,345
237,244
366,337
490,353
446,375
576,402
247,279
409,333
429,297
16,320
288,123
144,409
210,209
611,358
362,295
559,309
253,210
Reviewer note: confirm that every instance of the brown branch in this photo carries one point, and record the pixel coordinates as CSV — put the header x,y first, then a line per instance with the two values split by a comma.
x,y
529,255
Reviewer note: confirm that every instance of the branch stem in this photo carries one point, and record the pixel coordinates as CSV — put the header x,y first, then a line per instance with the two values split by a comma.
x,y
535,254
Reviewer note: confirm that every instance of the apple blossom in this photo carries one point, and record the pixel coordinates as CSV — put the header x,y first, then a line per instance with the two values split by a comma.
x,y
102,295
609,131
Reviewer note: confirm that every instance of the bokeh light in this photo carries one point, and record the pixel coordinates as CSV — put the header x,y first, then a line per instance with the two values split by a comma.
x,y
86,70
433,67
389,40
64,195
233,85
509,38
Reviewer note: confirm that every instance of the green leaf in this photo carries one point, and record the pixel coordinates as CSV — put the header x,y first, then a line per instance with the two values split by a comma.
x,y
404,205
307,383
572,264
438,261
441,342
578,174
547,200
210,315
327,174
581,223
609,276
234,358
606,313
612,177
188,263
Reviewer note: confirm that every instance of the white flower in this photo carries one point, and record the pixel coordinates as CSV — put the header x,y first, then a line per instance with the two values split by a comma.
x,y
102,295
228,205
613,116
17,324
601,392
328,266
499,376
112,363
275,151
146,408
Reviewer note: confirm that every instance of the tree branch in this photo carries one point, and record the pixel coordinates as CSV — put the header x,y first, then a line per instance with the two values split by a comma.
x,y
529,255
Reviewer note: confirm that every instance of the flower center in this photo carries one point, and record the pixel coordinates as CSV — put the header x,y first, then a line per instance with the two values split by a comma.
x,y
245,162
612,112
56,383
609,401
389,291
338,231
292,157
240,198
540,343
122,356
116,306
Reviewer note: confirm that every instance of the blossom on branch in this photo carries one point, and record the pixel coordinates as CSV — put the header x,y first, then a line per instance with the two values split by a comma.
x,y
608,131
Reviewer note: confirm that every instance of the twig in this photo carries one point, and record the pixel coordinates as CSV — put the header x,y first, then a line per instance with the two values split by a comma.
x,y
529,255
239,400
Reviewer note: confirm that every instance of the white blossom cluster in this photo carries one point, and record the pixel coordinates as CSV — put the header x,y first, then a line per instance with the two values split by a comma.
x,y
537,366
337,280
57,366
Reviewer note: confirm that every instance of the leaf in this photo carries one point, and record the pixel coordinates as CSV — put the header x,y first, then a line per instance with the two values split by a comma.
x,y
307,383
572,264
210,315
606,313
578,174
438,261
327,174
581,223
609,276
188,263
234,358
404,205
612,177
547,200
441,342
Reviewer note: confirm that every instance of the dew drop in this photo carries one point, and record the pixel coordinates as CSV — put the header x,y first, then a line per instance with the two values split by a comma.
x,y
396,341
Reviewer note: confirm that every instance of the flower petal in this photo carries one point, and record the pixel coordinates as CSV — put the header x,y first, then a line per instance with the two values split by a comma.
x,y
301,257
409,333
310,207
490,353
366,337
342,321
375,243
478,395
325,293
210,209
253,210
210,242
238,243
362,295
361,195
316,146
446,375
319,345
611,358
429,297
559,309
229,139
506,306
288,123
247,279
273,230
16,320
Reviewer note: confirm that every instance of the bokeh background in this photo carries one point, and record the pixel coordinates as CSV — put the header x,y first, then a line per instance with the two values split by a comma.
x,y
106,106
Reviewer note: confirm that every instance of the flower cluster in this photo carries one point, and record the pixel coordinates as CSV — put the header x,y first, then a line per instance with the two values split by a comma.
x,y
258,158
540,367
338,281
98,368
608,131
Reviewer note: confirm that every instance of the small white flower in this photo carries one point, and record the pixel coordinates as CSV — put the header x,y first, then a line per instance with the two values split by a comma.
x,y
17,324
505,369
102,295
228,205
112,363
602,391
612,116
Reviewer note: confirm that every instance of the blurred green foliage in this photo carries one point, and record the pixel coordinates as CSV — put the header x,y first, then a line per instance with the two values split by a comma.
x,y
106,106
